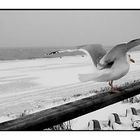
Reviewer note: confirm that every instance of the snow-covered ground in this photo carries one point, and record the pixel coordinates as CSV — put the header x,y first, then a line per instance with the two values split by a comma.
x,y
81,123
32,85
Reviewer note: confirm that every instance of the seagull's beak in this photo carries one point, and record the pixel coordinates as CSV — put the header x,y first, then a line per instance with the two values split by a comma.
x,y
131,60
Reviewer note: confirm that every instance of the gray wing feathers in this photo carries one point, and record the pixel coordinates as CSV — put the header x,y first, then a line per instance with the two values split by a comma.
x,y
96,52
115,51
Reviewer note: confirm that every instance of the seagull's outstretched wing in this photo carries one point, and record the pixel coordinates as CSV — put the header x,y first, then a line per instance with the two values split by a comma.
x,y
94,51
133,43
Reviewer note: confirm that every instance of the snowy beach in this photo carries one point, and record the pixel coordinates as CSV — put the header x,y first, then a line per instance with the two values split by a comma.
x,y
27,86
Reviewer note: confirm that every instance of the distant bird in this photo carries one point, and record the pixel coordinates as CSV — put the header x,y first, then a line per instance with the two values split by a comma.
x,y
52,53
109,66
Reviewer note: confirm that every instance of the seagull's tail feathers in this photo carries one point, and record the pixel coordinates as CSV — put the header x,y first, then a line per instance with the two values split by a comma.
x,y
86,77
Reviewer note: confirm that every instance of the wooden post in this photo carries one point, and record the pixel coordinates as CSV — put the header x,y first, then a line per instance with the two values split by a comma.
x,y
56,115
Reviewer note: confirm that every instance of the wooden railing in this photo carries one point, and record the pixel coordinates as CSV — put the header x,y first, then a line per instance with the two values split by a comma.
x,y
56,115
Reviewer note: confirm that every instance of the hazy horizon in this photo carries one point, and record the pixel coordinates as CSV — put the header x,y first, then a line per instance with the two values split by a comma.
x,y
67,28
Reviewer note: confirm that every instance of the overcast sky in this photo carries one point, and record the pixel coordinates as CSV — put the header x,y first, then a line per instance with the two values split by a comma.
x,y
67,28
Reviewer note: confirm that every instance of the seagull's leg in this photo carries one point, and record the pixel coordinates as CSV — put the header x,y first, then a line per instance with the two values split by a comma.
x,y
113,89
110,83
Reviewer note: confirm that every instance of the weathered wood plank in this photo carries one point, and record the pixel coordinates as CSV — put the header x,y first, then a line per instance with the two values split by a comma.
x,y
59,114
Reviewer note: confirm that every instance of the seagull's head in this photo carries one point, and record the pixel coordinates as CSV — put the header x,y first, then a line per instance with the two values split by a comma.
x,y
121,50
118,53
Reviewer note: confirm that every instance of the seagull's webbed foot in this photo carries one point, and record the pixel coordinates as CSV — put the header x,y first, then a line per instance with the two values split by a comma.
x,y
113,89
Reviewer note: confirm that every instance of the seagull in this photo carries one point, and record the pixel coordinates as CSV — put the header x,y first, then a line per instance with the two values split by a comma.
x,y
109,66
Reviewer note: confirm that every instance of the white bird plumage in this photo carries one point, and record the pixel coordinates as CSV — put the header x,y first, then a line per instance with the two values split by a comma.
x,y
110,65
